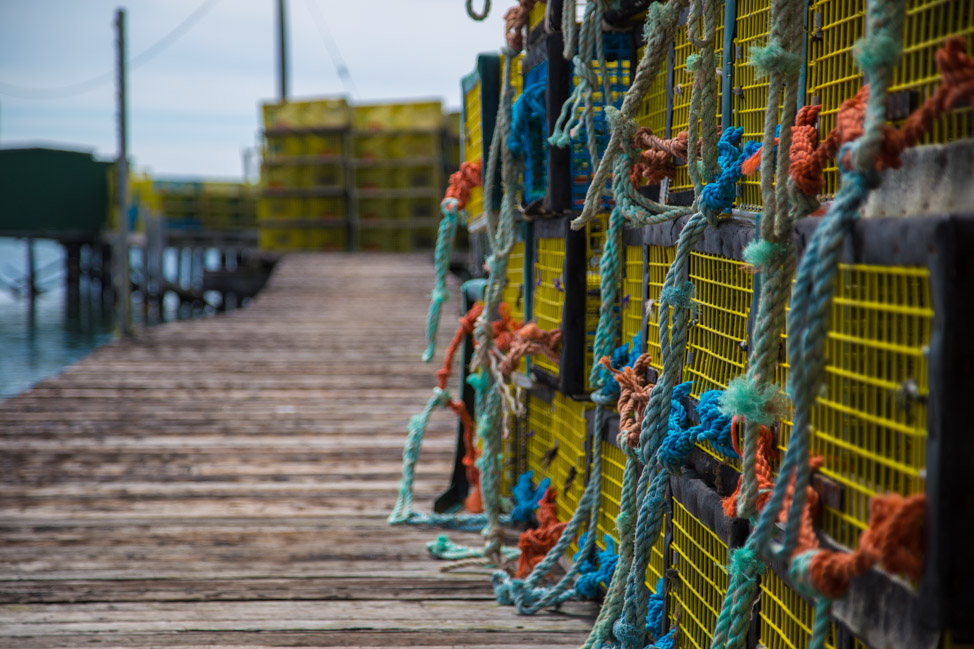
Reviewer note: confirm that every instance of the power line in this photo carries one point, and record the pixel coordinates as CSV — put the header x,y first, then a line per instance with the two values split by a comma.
x,y
336,56
60,92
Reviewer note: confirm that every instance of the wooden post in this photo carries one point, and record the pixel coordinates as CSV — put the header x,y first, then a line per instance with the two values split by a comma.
x,y
31,286
72,261
123,294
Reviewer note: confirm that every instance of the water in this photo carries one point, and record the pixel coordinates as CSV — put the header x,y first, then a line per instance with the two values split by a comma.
x,y
40,341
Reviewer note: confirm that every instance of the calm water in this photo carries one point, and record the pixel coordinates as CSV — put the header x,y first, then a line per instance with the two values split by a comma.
x,y
40,341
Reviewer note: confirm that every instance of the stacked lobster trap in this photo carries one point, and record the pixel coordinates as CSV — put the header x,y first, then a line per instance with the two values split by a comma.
x,y
888,418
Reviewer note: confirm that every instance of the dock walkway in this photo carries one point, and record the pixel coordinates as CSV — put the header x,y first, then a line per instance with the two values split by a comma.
x,y
225,483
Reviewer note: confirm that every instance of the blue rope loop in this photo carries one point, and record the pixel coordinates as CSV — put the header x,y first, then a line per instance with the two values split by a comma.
x,y
526,497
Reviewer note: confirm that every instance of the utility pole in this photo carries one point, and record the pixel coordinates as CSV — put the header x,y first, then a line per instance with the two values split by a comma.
x,y
281,51
123,297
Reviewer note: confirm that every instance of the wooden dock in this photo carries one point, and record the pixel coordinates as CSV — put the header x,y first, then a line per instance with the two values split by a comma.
x,y
225,483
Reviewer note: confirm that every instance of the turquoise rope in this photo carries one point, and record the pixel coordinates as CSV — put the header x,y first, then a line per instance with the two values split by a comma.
x,y
441,260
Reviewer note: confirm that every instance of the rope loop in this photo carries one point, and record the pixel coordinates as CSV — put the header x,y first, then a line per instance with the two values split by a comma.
x,y
478,16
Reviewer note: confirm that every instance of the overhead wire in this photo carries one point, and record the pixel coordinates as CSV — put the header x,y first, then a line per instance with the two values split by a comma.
x,y
81,87
332,46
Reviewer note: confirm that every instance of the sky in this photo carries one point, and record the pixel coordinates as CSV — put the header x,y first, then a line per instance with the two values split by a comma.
x,y
194,106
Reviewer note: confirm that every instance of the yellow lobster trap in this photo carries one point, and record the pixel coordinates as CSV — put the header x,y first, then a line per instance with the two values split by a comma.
x,y
898,350
481,92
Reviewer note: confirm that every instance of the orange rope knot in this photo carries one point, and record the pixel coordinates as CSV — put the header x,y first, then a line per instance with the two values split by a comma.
x,y
894,539
462,181
656,161
534,544
531,340
515,20
504,328
634,393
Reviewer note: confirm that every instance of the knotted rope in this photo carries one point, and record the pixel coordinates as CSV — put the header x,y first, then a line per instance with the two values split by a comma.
x,y
515,20
531,340
535,544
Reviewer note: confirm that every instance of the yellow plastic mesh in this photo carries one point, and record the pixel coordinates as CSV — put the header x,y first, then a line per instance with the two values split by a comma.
x,y
659,262
473,145
682,87
786,619
595,233
723,299
570,431
871,435
513,293
540,436
699,558
652,109
536,17
750,94
632,292
613,468
549,291
549,288
517,76
834,28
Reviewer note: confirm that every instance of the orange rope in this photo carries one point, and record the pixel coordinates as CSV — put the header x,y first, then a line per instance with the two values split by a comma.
x,y
515,20
531,340
502,327
808,157
534,544
894,537
656,161
469,175
633,396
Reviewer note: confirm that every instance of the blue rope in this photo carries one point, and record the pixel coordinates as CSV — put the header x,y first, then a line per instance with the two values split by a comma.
x,y
527,139
526,497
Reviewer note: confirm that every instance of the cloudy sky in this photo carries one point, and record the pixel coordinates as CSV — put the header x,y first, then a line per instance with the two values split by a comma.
x,y
193,106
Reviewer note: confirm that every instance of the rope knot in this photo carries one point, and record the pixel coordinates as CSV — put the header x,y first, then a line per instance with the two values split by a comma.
x,y
754,401
746,563
879,50
617,121
678,297
442,396
763,254
774,58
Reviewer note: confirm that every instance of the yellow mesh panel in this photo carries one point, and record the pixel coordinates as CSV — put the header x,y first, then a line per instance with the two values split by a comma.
x,y
682,87
786,619
750,93
549,288
659,262
652,110
540,436
473,145
549,291
834,28
513,293
632,293
699,558
613,468
570,431
723,299
595,241
871,435
536,17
